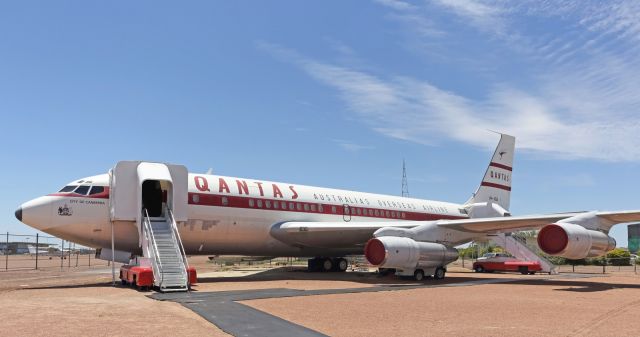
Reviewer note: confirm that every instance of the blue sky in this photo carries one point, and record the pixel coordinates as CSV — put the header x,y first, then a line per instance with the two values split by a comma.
x,y
331,93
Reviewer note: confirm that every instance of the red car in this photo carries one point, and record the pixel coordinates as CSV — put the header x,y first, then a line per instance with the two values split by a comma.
x,y
491,262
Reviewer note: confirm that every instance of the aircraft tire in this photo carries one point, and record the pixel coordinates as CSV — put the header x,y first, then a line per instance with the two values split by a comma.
x,y
327,265
342,264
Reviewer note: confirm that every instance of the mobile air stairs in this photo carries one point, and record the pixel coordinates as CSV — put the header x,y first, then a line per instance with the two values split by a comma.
x,y
154,197
517,246
163,247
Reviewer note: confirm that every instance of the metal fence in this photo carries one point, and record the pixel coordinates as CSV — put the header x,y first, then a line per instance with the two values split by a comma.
x,y
603,266
41,252
600,266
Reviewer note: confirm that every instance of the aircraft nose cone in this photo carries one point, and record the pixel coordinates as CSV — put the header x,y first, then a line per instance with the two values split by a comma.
x,y
19,214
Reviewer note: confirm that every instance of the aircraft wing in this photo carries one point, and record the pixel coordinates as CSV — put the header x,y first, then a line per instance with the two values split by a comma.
x,y
344,234
337,234
605,220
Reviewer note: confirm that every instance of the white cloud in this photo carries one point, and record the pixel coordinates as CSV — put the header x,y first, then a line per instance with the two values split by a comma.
x,y
352,147
471,9
581,101
396,4
484,15
418,111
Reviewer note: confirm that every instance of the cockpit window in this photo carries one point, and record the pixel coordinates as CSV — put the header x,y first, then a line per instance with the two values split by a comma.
x,y
68,188
96,190
82,190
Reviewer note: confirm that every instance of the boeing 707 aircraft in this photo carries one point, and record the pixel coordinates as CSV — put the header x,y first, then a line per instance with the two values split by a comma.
x,y
142,208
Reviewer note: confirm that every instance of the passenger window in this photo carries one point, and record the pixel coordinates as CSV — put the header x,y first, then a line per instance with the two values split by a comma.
x,y
284,205
225,201
96,190
292,206
370,212
377,213
68,188
251,203
259,202
82,190
267,203
299,207
320,209
276,205
388,215
333,209
306,207
313,208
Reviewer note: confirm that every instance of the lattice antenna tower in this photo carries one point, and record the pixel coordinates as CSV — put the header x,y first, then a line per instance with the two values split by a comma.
x,y
405,184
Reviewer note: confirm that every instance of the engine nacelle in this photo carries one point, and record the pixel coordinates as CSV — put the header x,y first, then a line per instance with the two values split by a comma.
x,y
400,252
573,241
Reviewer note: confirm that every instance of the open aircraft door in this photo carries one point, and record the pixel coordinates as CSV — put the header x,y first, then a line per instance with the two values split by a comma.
x,y
346,212
131,183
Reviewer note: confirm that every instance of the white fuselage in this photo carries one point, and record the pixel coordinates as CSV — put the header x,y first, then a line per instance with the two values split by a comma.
x,y
228,215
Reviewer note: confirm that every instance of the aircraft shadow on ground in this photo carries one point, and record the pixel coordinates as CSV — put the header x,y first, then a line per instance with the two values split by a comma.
x,y
391,281
577,286
300,274
369,278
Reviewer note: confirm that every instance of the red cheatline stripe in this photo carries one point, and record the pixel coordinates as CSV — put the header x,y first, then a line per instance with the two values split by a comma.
x,y
502,187
74,195
502,166
205,199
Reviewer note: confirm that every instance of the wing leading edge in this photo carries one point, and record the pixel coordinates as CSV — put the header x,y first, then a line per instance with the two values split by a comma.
x,y
347,234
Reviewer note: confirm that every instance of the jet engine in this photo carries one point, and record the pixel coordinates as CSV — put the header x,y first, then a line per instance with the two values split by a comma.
x,y
400,252
573,241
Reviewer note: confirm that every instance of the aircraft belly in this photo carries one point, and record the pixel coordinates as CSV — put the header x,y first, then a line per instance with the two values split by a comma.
x,y
211,230
214,230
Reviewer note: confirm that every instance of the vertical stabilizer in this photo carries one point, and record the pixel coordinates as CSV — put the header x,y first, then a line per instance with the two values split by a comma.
x,y
496,183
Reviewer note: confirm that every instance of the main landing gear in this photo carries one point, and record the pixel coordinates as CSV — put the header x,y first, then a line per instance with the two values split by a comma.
x,y
326,264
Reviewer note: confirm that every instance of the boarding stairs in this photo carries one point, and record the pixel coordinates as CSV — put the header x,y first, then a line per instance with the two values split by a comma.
x,y
359,263
517,246
163,247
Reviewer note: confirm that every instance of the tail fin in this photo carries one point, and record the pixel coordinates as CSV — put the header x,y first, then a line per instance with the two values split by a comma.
x,y
496,184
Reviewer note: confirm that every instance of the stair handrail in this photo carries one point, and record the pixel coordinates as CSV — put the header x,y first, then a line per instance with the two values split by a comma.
x,y
525,247
156,263
176,236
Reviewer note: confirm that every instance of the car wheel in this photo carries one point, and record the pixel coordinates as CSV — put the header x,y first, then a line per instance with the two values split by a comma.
x,y
439,274
418,275
479,269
